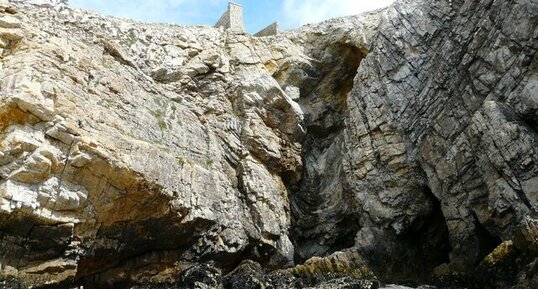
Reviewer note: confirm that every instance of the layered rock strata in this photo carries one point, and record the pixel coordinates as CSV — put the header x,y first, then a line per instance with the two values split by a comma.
x,y
397,146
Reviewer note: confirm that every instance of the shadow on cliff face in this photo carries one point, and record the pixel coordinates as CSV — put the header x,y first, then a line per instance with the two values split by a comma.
x,y
323,220
324,217
486,241
531,121
411,256
428,241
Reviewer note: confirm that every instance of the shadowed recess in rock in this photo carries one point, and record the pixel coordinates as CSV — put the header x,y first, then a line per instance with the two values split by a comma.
x,y
322,221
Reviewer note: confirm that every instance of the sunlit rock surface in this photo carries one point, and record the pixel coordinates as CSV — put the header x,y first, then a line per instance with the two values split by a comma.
x,y
397,146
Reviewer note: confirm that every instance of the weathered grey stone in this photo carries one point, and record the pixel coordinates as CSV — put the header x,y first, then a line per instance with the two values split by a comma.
x,y
396,145
419,124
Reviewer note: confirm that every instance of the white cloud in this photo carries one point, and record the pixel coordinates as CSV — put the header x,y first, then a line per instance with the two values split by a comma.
x,y
299,12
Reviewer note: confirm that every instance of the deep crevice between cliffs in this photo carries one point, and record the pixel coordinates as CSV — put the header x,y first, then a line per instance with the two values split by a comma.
x,y
323,217
323,221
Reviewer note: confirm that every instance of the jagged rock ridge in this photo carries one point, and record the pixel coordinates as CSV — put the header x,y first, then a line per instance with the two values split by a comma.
x,y
395,146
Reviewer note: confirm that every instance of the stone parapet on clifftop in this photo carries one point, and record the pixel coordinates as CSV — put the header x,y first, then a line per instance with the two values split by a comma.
x,y
232,19
270,30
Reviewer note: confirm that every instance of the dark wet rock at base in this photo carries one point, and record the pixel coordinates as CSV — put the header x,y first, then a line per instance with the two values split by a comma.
x,y
399,146
250,275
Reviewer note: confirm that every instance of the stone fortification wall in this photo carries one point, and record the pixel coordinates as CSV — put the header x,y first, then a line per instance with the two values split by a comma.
x,y
232,19
269,30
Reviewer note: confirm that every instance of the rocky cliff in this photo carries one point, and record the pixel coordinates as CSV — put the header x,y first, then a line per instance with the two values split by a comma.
x,y
397,146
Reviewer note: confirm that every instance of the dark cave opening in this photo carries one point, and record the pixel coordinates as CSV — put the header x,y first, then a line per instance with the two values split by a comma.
x,y
486,241
531,121
433,235
424,246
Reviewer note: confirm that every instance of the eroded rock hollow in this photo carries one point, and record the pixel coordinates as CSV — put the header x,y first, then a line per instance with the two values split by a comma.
x,y
398,146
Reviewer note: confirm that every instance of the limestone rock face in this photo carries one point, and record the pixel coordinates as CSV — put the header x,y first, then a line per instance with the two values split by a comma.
x,y
443,115
397,146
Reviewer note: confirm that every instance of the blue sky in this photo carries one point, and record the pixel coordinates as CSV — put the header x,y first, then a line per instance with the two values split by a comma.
x,y
258,13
